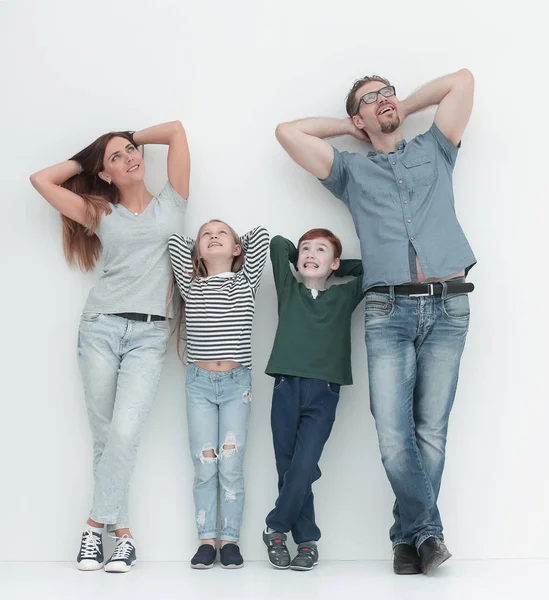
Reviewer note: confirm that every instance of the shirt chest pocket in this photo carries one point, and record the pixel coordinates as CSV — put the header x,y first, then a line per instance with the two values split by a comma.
x,y
422,169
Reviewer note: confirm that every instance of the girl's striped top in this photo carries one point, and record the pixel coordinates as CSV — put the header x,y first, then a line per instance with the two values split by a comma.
x,y
219,309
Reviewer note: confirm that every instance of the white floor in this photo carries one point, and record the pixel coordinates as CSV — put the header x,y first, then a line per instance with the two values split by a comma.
x,y
457,579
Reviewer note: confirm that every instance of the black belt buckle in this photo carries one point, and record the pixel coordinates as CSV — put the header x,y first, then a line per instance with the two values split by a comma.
x,y
431,291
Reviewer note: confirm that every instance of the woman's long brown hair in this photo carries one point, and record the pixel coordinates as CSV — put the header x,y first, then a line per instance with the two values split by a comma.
x,y
81,245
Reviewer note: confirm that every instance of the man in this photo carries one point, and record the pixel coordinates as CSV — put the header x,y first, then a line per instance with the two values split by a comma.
x,y
415,258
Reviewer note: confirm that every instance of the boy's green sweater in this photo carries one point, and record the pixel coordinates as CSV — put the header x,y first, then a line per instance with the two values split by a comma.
x,y
313,338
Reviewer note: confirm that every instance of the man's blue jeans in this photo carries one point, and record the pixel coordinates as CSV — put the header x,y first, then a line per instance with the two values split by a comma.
x,y
414,349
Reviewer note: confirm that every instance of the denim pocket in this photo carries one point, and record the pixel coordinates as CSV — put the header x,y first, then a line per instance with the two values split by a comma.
x,y
334,388
90,317
242,376
191,374
161,325
421,169
378,306
456,306
279,380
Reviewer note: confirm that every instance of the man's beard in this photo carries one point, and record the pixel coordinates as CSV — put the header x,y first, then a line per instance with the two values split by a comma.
x,y
389,127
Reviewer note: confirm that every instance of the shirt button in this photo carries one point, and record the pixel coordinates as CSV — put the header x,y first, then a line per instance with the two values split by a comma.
x,y
400,180
405,201
409,220
412,238
393,163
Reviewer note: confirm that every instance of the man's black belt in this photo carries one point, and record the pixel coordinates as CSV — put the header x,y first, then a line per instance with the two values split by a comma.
x,y
426,289
139,317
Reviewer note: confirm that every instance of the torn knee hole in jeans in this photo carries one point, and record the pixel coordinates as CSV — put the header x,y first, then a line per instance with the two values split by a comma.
x,y
208,454
229,445
247,397
230,495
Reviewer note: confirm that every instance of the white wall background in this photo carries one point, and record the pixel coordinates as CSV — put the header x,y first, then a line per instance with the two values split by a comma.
x,y
230,71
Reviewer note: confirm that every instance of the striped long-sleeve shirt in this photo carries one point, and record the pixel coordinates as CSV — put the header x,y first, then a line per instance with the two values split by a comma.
x,y
219,309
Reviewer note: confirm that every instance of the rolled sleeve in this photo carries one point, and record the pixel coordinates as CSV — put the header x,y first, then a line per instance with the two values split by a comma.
x,y
448,149
338,178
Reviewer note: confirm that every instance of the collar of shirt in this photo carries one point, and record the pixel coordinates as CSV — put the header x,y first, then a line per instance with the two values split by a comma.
x,y
226,275
400,146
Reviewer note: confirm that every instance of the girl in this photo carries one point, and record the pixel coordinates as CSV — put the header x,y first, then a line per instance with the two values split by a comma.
x,y
218,276
125,325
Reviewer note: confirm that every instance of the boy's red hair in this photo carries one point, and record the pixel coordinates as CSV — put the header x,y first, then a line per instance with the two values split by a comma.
x,y
314,234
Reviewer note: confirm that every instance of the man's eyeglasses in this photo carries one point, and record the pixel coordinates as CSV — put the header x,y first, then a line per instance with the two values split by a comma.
x,y
371,97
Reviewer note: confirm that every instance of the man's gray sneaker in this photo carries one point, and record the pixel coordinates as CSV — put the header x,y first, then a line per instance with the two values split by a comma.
x,y
432,553
278,554
306,557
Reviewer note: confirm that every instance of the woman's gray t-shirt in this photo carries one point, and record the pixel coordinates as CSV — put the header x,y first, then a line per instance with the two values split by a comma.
x,y
137,270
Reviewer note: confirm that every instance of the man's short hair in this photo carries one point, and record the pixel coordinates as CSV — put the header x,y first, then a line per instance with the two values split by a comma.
x,y
350,101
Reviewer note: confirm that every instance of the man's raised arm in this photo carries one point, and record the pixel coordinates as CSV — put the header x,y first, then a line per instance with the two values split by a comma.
x,y
304,141
454,96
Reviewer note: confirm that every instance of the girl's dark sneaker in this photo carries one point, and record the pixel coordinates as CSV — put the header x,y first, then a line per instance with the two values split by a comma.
x,y
204,557
230,557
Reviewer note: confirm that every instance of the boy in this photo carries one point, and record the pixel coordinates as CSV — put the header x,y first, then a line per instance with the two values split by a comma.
x,y
310,360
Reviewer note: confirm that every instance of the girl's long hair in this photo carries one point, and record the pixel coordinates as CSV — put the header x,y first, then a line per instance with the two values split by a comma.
x,y
81,245
200,270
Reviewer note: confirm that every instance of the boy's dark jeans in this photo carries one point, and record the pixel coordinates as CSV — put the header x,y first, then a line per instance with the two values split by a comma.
x,y
302,415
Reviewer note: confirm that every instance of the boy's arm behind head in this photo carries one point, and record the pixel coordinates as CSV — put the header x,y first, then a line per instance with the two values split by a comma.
x,y
283,252
350,267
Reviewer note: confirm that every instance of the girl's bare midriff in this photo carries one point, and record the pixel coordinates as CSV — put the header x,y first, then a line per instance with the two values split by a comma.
x,y
217,365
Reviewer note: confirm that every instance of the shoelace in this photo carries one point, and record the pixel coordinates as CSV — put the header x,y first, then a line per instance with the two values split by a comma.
x,y
122,549
90,545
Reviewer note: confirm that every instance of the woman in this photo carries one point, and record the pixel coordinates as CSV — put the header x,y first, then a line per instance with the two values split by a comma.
x,y
125,325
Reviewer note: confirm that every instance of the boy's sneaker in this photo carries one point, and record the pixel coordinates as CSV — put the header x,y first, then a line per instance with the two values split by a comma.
x,y
123,558
204,557
306,557
278,554
90,557
230,557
